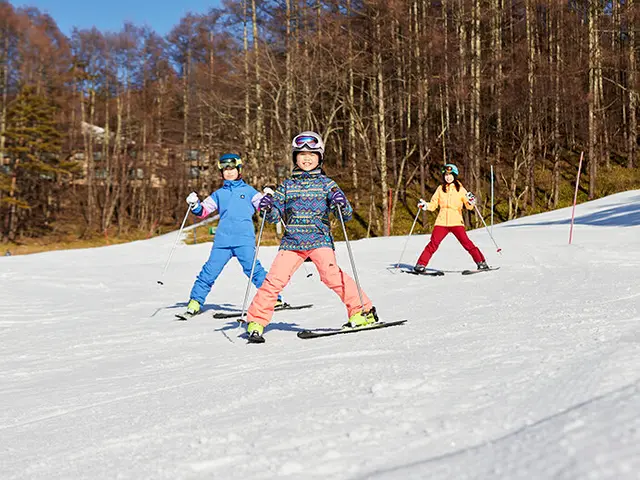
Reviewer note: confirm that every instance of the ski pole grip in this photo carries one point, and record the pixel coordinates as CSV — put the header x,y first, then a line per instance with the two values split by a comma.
x,y
333,190
268,191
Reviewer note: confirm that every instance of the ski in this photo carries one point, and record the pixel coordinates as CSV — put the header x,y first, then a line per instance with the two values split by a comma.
x,y
186,316
430,273
255,339
327,333
284,306
471,272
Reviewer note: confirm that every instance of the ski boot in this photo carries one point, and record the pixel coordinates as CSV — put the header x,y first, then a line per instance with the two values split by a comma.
x,y
419,269
482,265
362,319
255,330
280,304
193,309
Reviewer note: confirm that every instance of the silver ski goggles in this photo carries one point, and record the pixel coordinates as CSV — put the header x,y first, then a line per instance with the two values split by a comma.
x,y
310,141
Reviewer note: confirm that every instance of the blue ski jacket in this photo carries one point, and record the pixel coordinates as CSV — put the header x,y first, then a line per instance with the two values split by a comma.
x,y
236,202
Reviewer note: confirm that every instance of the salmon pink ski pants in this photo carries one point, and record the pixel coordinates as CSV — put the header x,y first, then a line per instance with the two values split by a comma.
x,y
438,234
285,265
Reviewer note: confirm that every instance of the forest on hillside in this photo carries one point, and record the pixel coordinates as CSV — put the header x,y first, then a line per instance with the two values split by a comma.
x,y
109,131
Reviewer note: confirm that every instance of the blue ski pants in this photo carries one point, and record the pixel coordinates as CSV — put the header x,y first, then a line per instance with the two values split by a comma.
x,y
218,258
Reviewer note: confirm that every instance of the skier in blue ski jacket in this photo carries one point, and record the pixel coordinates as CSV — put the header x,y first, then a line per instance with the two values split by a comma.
x,y
236,202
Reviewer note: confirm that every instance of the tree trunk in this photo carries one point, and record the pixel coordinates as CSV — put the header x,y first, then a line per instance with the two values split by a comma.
x,y
186,72
106,160
446,114
211,115
353,160
497,49
556,42
260,137
421,101
530,100
461,114
123,162
3,124
382,131
288,74
5,87
114,170
145,184
408,91
88,146
202,157
594,107
248,145
632,135
308,72
475,116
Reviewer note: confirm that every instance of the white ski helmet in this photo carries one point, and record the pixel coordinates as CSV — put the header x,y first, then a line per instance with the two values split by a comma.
x,y
308,141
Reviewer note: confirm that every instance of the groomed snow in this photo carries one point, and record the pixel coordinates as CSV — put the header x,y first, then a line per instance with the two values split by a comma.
x,y
529,372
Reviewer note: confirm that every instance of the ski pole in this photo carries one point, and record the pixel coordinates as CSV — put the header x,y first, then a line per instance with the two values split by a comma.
x,y
174,245
499,250
408,238
253,266
353,263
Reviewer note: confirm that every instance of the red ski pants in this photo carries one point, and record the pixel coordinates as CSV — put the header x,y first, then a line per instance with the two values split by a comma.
x,y
438,234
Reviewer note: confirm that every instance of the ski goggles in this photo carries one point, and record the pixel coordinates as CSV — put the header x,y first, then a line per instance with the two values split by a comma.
x,y
310,141
449,169
229,162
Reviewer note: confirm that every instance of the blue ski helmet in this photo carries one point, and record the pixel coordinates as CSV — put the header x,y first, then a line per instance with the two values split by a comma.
x,y
450,168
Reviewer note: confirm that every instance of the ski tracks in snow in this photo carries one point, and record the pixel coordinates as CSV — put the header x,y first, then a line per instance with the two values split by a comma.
x,y
598,438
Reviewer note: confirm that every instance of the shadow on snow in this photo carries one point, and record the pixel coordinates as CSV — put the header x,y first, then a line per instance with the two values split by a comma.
x,y
627,215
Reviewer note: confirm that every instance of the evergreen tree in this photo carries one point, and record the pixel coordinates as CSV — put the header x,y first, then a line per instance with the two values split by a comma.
x,y
33,146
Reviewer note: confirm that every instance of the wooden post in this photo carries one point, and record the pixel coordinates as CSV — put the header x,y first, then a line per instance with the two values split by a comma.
x,y
575,198
389,212
492,198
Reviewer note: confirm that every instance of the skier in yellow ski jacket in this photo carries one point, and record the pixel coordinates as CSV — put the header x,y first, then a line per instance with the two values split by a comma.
x,y
451,197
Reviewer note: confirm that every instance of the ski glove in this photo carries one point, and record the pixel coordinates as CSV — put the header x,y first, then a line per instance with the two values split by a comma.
x,y
423,204
337,198
266,203
471,198
193,200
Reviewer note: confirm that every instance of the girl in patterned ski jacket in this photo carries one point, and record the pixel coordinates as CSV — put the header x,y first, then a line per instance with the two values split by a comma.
x,y
451,197
303,202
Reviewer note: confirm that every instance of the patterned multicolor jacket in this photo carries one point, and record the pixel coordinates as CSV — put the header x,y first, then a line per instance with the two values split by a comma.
x,y
302,201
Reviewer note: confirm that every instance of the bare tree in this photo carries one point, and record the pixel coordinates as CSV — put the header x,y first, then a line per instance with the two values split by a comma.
x,y
632,86
595,78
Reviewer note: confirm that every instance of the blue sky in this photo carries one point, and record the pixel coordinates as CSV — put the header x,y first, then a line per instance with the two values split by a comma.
x,y
111,14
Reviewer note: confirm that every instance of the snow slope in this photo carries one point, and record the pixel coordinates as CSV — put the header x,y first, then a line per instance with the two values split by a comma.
x,y
529,372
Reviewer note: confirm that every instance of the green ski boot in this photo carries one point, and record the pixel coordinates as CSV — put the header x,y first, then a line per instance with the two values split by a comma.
x,y
255,331
193,309
362,319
